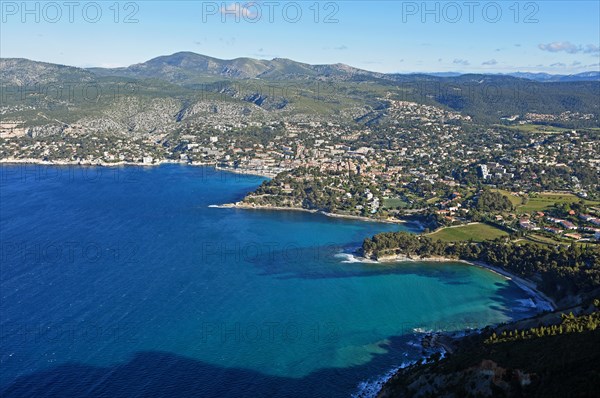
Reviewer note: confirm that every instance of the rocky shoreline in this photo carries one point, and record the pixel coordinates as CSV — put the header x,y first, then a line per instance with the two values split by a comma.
x,y
431,343
242,205
255,172
10,161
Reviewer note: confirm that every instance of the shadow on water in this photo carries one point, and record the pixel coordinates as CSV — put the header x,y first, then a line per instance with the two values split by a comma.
x,y
441,272
505,301
163,374
446,273
325,265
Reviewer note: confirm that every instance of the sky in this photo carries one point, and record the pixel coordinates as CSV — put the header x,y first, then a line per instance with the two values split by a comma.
x,y
560,37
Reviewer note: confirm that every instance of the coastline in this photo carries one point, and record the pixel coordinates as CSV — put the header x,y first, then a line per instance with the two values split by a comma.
x,y
439,341
251,172
540,299
430,343
240,205
93,163
435,339
254,172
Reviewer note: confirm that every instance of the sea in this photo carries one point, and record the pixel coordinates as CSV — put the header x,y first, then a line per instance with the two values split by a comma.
x,y
125,282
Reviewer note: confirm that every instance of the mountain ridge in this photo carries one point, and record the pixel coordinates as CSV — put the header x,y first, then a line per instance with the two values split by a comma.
x,y
186,67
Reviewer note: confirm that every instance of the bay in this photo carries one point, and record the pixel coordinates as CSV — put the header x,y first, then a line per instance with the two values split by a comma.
x,y
124,282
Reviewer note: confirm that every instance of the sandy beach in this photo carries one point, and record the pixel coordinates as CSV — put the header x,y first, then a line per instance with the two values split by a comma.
x,y
542,301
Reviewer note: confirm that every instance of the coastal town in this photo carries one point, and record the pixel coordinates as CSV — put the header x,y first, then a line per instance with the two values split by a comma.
x,y
407,159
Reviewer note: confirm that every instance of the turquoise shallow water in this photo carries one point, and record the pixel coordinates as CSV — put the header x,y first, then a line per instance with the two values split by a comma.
x,y
123,282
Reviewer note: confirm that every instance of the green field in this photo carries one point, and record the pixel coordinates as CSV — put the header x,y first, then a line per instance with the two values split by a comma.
x,y
392,203
544,201
476,232
537,128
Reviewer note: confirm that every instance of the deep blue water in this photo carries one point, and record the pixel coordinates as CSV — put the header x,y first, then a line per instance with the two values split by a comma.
x,y
123,282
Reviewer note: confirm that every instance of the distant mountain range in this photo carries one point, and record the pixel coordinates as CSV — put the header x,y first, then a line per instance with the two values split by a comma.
x,y
538,77
190,68
189,87
546,77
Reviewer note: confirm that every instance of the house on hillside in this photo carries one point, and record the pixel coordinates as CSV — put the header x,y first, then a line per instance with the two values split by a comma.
x,y
553,230
568,224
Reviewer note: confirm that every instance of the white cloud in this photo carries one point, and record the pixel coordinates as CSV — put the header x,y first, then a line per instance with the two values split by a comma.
x,y
490,62
591,49
569,48
462,62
